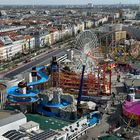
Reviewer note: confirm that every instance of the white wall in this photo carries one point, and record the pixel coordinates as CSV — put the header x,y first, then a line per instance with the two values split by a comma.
x,y
129,14
33,129
64,136
11,50
56,36
74,126
3,138
32,43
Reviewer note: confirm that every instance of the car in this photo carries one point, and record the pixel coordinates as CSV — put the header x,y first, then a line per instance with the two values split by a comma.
x,y
27,60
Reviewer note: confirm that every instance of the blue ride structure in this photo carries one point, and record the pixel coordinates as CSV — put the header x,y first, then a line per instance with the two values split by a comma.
x,y
26,93
53,104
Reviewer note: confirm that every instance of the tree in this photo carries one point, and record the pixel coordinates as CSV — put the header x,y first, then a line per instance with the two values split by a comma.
x,y
100,23
66,68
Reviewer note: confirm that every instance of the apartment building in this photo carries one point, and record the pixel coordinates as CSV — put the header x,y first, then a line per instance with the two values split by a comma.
x,y
18,44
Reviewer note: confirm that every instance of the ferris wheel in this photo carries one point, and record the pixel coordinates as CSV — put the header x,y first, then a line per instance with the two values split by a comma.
x,y
86,44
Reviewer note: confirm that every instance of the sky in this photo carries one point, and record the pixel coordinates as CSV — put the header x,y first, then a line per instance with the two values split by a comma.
x,y
56,2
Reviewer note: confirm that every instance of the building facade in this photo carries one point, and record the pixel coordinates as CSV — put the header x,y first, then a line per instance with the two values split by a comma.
x,y
129,14
119,35
8,47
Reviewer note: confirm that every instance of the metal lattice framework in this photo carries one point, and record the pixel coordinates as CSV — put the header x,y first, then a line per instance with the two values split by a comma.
x,y
118,50
123,50
86,43
95,80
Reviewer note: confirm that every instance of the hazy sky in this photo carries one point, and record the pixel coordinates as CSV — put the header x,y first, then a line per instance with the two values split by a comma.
x,y
68,1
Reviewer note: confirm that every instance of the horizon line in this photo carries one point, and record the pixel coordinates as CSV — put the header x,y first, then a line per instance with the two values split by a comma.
x,y
65,4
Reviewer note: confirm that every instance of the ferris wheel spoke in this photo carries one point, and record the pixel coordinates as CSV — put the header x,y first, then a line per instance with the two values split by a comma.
x,y
86,42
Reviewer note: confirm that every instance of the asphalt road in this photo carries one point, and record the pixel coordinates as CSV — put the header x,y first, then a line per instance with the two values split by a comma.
x,y
44,59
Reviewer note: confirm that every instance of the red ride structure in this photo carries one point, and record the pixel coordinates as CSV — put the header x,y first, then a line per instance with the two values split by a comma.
x,y
96,82
93,84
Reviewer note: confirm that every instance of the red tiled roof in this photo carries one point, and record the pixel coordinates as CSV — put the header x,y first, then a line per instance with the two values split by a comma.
x,y
1,44
53,29
27,37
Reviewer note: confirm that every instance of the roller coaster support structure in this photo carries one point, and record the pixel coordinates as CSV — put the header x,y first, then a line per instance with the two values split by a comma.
x,y
81,87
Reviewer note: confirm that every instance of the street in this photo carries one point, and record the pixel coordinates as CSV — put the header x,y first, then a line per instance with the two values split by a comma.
x,y
41,59
44,59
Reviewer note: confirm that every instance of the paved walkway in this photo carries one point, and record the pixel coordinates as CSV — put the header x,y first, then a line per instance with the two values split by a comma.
x,y
107,119
98,130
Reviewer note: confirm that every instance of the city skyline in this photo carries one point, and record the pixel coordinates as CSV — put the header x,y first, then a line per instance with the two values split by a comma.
x,y
65,2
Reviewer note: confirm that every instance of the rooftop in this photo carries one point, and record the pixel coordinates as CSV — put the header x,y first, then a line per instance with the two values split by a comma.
x,y
8,117
47,123
132,81
14,135
2,86
5,114
29,125
46,135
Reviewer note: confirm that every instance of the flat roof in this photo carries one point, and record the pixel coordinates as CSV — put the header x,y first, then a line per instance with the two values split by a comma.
x,y
132,82
9,118
5,114
45,135
47,123
29,125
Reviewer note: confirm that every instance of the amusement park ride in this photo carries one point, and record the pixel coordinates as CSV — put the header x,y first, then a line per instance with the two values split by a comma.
x,y
95,79
121,50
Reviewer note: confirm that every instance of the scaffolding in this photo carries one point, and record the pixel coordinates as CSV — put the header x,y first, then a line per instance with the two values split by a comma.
x,y
93,85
